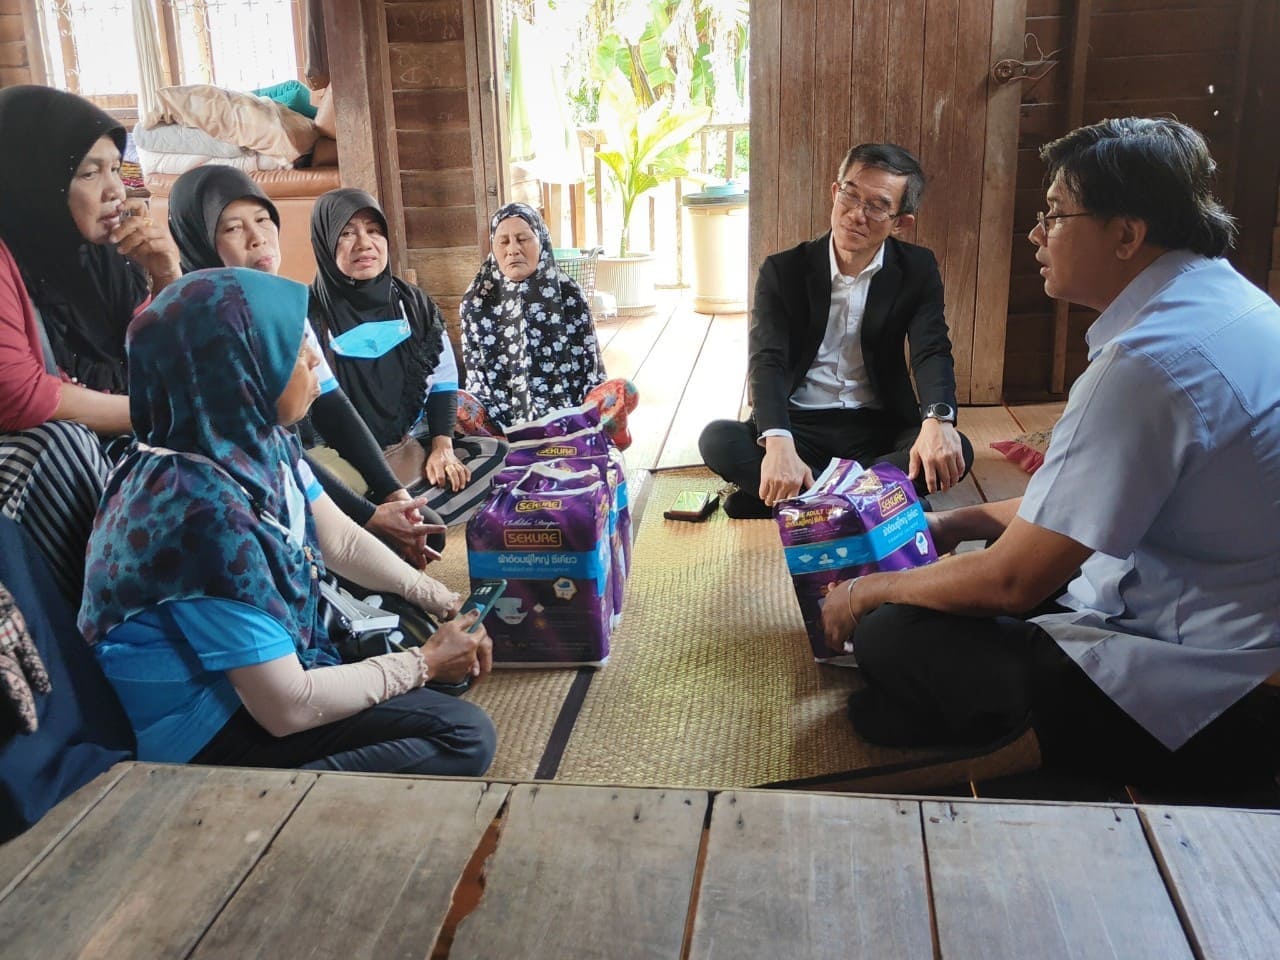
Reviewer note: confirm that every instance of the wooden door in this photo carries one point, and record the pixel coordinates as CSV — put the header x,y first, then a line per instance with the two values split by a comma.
x,y
826,75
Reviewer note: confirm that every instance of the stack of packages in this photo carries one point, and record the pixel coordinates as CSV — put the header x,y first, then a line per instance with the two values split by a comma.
x,y
557,528
849,523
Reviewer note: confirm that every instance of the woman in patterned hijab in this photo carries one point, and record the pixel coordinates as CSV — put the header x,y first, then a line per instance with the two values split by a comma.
x,y
202,583
528,340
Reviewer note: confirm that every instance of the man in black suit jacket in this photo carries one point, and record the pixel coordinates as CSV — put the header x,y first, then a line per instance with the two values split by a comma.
x,y
827,373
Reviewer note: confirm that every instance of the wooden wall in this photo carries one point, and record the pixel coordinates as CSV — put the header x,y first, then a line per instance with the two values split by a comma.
x,y
1206,62
16,40
825,76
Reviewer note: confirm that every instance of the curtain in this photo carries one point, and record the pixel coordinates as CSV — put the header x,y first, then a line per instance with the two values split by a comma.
x,y
146,43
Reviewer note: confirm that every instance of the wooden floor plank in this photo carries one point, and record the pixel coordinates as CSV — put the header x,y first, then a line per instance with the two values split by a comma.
x,y
1223,867
364,868
23,853
588,872
151,865
997,478
1043,881
661,383
795,875
630,347
606,330
714,390
1033,417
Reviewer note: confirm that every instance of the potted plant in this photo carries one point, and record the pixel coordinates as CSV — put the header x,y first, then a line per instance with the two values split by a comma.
x,y
645,148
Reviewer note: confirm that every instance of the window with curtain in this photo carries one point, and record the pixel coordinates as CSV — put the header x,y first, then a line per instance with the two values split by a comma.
x,y
237,44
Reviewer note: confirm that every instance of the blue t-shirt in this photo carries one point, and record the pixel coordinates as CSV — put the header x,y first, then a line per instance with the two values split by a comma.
x,y
169,663
169,668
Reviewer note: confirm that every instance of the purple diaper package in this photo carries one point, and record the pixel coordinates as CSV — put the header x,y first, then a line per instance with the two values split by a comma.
x,y
851,522
557,423
589,442
547,535
574,471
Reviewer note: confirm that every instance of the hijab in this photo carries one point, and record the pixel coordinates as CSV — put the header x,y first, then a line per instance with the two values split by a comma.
x,y
86,293
196,202
388,391
210,504
530,346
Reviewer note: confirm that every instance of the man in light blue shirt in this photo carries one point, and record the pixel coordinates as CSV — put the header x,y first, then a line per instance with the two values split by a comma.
x,y
1160,495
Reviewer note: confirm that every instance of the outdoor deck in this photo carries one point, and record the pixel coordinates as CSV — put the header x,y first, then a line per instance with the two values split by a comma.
x,y
170,861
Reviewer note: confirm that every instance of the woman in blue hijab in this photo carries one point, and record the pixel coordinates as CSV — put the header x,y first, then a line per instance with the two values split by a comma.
x,y
204,563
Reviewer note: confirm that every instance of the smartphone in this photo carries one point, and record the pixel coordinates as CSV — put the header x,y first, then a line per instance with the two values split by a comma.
x,y
692,505
483,598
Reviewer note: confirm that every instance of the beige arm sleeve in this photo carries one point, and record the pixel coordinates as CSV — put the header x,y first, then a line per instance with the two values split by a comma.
x,y
358,555
284,698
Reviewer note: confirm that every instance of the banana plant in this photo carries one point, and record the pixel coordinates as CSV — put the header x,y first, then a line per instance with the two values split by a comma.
x,y
646,146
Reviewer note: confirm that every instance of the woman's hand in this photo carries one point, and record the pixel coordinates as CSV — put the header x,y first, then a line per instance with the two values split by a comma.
x,y
443,468
398,523
841,613
146,241
429,594
453,653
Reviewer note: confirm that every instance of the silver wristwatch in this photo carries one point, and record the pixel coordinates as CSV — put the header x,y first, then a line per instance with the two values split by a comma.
x,y
940,411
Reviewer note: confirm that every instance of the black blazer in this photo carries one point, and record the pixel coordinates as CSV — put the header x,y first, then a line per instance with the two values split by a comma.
x,y
789,320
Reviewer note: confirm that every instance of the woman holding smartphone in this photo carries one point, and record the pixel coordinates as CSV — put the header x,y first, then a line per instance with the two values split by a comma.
x,y
202,586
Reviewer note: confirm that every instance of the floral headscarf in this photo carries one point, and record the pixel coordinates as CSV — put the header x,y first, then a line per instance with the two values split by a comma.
x,y
529,347
210,505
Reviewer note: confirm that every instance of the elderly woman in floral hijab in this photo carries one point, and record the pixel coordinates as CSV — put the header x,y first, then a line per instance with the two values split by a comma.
x,y
528,340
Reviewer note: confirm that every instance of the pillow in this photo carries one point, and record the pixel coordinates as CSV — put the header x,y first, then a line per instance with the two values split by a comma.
x,y
292,93
1026,450
247,121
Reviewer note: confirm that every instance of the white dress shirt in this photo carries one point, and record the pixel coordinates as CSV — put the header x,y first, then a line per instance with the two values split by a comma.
x,y
837,378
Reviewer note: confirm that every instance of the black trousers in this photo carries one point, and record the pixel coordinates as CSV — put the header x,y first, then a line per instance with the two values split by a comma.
x,y
935,678
730,449
422,731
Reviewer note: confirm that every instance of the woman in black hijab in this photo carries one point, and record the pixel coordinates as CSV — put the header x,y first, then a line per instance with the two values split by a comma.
x,y
386,342
220,217
86,259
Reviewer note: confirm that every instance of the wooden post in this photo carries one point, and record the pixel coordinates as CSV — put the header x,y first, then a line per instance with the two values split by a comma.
x,y
360,83
679,232
578,212
37,56
553,214
1075,115
597,169
730,140
170,52
995,237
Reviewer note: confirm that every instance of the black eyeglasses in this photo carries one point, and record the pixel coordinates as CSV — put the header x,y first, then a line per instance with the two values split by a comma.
x,y
871,209
1046,220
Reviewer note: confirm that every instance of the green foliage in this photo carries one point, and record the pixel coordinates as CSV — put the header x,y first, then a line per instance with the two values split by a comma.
x,y
648,145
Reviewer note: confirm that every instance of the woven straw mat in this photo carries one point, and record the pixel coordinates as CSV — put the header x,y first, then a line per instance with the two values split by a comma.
x,y
711,682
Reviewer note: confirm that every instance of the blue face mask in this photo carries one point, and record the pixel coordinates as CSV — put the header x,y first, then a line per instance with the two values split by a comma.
x,y
372,339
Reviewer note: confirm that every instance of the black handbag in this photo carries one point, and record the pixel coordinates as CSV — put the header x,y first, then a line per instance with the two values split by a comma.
x,y
363,625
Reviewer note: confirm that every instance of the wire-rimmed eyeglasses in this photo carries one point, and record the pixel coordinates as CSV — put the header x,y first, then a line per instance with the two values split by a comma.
x,y
1046,221
871,209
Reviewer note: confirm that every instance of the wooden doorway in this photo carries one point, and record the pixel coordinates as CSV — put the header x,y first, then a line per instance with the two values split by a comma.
x,y
825,76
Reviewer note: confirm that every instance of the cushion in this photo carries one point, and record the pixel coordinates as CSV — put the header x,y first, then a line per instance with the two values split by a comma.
x,y
81,728
1026,450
